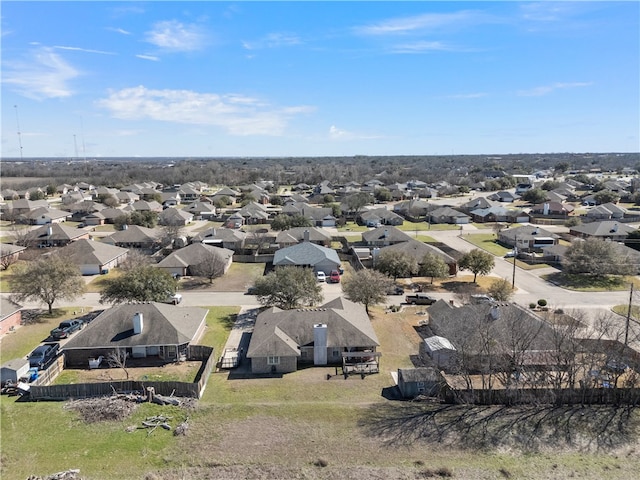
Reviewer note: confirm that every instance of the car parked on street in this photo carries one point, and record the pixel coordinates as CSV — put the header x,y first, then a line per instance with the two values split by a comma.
x,y
420,299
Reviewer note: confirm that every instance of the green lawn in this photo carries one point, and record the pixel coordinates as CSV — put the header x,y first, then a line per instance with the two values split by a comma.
x,y
352,227
588,283
424,226
27,337
487,242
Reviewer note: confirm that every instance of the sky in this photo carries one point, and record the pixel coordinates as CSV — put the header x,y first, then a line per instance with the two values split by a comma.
x,y
280,79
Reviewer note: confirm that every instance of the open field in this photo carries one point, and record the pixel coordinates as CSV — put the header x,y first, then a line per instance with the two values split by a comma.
x,y
305,426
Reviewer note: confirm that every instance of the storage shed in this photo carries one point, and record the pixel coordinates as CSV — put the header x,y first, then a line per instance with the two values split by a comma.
x,y
14,369
419,381
440,350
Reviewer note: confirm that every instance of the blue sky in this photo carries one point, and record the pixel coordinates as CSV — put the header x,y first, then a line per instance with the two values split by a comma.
x,y
104,79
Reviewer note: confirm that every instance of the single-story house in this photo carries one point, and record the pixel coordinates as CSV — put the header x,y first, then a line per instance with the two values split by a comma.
x,y
503,196
295,235
307,254
94,258
379,216
527,238
44,216
552,209
134,236
187,260
143,330
55,235
605,230
201,210
413,382
222,237
383,236
419,250
448,215
337,333
412,208
175,217
498,214
10,315
10,250
607,211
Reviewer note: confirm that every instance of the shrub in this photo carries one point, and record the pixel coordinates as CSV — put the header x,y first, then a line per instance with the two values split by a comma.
x,y
532,305
542,302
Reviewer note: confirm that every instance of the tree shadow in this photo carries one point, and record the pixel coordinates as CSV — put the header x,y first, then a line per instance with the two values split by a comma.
x,y
526,428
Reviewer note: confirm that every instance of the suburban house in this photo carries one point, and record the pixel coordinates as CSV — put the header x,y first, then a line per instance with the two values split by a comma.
x,y
295,235
519,340
477,204
337,333
412,208
503,196
155,331
418,250
10,315
498,214
222,237
605,230
134,236
379,216
175,217
319,216
144,206
607,211
94,258
186,261
383,236
448,215
127,197
201,210
527,238
254,213
552,209
10,250
44,216
310,255
54,235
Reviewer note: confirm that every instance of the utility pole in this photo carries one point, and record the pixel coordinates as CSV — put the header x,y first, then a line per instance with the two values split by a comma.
x,y
515,254
626,328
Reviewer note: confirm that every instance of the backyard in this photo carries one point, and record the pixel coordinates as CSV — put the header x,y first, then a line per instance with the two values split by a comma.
x,y
313,424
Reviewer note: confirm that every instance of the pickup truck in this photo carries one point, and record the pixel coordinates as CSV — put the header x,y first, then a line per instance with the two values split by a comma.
x,y
66,328
420,299
42,356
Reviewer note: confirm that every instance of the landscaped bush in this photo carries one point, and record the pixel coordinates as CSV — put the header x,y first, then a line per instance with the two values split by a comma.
x,y
542,303
532,305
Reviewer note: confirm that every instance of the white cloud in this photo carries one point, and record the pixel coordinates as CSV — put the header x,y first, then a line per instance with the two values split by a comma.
x,y
237,114
121,31
427,21
336,133
547,89
153,58
176,36
424,46
44,75
79,49
273,40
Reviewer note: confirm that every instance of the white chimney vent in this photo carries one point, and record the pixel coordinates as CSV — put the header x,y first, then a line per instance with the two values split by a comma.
x,y
320,344
138,323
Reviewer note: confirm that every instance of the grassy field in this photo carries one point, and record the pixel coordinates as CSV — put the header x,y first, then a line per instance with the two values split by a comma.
x,y
584,283
307,426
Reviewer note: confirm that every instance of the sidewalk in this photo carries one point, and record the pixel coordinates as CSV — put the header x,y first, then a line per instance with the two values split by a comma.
x,y
240,333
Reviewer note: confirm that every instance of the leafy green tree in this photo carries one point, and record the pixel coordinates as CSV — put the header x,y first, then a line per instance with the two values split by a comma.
x,y
596,258
47,280
144,219
275,200
477,261
606,196
356,201
433,266
396,264
328,199
223,201
368,287
288,287
383,195
501,290
144,283
298,220
535,195
633,240
550,185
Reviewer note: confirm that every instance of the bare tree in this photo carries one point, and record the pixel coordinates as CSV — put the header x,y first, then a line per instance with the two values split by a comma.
x,y
118,359
258,237
21,235
135,259
170,230
212,265
7,258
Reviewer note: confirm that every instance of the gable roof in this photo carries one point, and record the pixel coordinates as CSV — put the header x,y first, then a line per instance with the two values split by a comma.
x,y
297,234
418,250
386,233
606,228
55,232
163,324
133,234
281,332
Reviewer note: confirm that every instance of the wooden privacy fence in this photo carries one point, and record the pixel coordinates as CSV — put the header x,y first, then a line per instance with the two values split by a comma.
x,y
180,389
561,396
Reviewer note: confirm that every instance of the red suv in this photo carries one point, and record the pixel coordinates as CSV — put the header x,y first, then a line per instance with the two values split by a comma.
x,y
334,277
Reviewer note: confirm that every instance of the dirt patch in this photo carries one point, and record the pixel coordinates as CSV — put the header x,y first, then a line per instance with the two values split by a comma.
x,y
177,371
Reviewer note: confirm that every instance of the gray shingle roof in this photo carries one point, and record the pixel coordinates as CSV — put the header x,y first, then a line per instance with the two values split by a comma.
x,y
89,252
305,253
162,325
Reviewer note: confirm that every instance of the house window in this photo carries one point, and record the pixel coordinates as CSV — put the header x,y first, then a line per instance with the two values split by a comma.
x,y
271,360
336,353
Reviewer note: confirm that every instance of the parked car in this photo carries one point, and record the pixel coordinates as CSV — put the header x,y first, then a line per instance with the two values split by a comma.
x,y
175,299
321,276
420,299
43,355
510,254
66,328
481,298
334,276
395,290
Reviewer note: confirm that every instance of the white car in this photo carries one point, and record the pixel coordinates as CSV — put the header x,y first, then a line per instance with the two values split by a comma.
x,y
321,276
